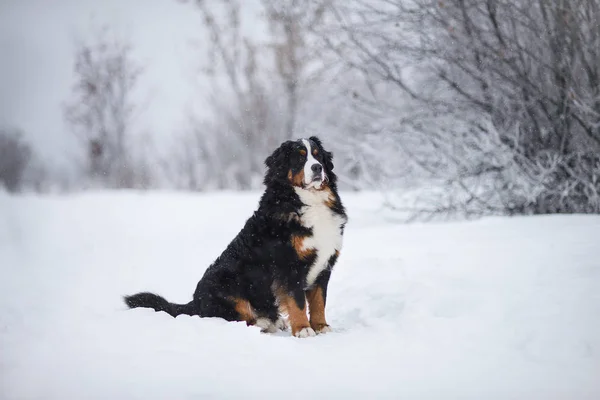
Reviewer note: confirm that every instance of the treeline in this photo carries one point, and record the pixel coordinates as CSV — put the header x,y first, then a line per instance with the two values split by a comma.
x,y
492,105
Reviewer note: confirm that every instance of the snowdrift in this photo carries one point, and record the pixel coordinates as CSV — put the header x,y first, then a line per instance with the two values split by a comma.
x,y
497,308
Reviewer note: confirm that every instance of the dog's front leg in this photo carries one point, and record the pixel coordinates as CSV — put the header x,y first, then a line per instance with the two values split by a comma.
x,y
316,297
294,304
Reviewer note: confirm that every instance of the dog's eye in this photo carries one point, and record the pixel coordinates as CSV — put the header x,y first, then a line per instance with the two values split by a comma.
x,y
303,152
315,152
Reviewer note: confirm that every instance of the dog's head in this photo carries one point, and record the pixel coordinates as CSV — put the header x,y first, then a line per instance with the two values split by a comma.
x,y
302,163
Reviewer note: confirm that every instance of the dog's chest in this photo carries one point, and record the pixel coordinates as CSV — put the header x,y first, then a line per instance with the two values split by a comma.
x,y
326,237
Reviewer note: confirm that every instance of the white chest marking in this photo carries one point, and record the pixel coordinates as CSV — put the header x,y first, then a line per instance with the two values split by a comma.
x,y
326,229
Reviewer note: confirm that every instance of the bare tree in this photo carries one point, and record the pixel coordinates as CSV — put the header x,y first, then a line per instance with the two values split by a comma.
x,y
257,88
102,109
496,100
298,65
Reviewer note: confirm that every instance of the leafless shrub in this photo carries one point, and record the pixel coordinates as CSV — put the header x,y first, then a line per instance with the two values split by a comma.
x,y
15,157
102,109
496,101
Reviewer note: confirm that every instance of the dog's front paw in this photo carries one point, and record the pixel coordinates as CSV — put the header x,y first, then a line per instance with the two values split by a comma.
x,y
305,332
320,327
281,324
323,329
266,325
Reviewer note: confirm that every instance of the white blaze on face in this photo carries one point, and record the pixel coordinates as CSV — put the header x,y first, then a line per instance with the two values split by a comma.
x,y
308,172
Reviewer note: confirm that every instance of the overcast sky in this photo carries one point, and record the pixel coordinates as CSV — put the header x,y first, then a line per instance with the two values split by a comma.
x,y
36,53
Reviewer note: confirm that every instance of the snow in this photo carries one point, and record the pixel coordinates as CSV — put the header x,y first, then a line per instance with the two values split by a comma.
x,y
497,308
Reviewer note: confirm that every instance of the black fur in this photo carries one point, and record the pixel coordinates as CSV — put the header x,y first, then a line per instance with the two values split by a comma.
x,y
261,256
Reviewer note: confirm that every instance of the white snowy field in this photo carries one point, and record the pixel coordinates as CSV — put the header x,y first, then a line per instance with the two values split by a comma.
x,y
497,308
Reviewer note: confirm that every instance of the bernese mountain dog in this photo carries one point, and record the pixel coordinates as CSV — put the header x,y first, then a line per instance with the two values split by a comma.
x,y
280,263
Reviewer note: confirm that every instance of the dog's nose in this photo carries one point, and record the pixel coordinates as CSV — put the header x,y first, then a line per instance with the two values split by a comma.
x,y
316,168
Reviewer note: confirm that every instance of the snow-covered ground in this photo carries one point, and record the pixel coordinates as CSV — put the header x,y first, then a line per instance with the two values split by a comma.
x,y
491,309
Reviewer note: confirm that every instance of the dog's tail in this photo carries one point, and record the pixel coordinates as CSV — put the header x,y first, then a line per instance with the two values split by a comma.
x,y
158,303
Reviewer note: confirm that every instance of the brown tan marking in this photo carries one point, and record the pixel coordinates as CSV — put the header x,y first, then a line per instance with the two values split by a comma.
x,y
297,179
296,316
316,306
245,310
298,244
330,202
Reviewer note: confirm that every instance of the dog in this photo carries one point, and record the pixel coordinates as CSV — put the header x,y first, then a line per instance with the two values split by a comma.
x,y
282,259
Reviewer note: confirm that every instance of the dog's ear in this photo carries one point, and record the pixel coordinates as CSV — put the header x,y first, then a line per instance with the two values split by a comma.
x,y
317,141
328,159
279,156
327,155
277,163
